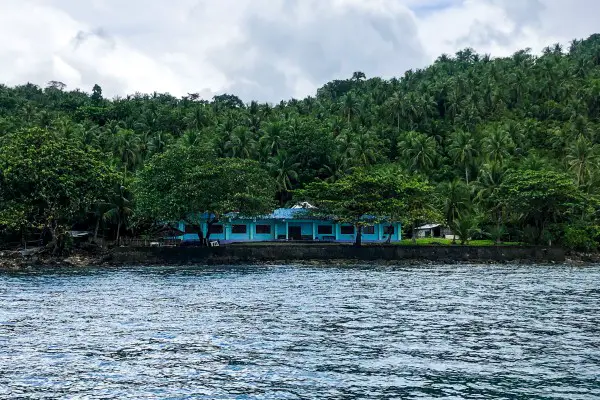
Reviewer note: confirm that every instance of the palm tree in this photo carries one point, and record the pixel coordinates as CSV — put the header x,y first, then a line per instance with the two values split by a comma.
x,y
241,144
198,118
90,135
582,158
345,142
66,128
535,162
497,145
350,106
465,226
119,210
418,150
364,148
190,138
158,142
126,148
336,167
463,150
336,126
456,200
491,177
394,105
284,169
358,76
272,138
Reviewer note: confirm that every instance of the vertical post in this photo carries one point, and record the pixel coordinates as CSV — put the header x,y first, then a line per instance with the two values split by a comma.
x,y
336,229
251,228
314,229
287,231
380,232
225,231
275,230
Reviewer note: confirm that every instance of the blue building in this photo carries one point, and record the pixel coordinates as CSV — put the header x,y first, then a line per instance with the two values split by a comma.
x,y
291,224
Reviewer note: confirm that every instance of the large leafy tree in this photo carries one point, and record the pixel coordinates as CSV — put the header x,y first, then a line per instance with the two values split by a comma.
x,y
179,185
366,196
538,198
48,183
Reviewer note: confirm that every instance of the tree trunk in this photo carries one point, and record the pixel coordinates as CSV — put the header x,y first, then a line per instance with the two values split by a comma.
x,y
282,198
119,233
209,224
96,229
358,242
198,228
498,224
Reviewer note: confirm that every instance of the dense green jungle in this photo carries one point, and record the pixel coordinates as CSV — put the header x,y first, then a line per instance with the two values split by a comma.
x,y
504,149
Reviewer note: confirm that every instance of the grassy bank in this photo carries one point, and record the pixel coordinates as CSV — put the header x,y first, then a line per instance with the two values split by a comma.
x,y
448,242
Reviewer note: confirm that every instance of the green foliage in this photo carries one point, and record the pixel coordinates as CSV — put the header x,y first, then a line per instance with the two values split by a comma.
x,y
468,119
184,183
47,182
368,195
465,226
582,237
496,233
537,198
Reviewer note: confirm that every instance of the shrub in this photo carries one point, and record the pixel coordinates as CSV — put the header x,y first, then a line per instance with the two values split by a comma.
x,y
581,238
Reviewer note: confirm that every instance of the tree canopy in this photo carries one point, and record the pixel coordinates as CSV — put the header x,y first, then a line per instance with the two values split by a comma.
x,y
47,182
182,185
369,195
467,118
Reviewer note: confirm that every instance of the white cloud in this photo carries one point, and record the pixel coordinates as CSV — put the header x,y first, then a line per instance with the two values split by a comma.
x,y
265,49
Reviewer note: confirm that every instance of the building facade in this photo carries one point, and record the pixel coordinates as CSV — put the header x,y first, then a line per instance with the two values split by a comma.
x,y
291,224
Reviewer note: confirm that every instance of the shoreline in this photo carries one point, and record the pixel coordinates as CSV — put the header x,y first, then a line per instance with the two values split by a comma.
x,y
301,255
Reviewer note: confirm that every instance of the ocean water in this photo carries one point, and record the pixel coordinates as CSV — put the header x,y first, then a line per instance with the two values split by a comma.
x,y
297,332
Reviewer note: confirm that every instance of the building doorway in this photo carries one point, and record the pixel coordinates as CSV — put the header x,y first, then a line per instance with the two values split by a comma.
x,y
294,232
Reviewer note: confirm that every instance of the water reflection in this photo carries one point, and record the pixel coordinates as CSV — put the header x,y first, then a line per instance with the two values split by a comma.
x,y
294,332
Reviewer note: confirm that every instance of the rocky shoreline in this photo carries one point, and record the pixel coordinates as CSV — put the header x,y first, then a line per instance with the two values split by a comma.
x,y
17,261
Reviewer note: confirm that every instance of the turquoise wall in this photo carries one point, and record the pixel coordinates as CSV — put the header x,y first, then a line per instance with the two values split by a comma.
x,y
309,228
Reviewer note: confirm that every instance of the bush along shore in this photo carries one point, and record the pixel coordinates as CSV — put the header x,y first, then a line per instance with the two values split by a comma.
x,y
491,148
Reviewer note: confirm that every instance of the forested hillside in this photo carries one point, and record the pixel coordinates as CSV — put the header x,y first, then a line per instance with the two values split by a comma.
x,y
508,147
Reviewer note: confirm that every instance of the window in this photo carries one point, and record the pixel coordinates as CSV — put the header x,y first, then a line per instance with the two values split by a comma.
x,y
239,229
191,229
369,230
263,229
216,229
389,230
325,230
347,230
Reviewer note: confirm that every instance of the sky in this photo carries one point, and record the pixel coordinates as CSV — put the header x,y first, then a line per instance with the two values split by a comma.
x,y
265,50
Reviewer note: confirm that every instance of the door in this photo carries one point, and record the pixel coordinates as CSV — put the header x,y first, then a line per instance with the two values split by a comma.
x,y
295,232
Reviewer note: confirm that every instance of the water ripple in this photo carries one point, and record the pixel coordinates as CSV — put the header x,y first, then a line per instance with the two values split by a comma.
x,y
292,332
